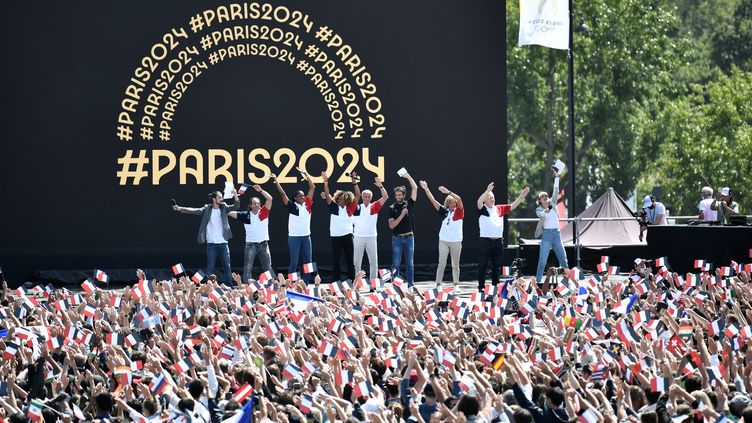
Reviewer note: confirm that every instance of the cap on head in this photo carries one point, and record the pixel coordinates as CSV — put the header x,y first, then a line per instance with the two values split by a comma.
x,y
647,201
541,194
725,191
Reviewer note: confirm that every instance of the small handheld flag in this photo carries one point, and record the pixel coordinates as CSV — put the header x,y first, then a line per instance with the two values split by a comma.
x,y
309,267
178,269
101,276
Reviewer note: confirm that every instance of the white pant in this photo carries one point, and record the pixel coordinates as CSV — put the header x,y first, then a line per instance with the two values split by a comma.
x,y
367,244
446,248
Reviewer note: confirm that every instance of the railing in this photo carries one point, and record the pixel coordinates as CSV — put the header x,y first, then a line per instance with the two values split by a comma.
x,y
577,221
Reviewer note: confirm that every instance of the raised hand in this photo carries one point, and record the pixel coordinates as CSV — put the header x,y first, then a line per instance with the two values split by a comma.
x,y
443,190
423,184
257,187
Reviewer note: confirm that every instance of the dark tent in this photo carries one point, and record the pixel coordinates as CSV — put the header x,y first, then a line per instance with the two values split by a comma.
x,y
604,233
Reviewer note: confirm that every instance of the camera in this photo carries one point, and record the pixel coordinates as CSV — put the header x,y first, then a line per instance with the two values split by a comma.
x,y
517,265
559,270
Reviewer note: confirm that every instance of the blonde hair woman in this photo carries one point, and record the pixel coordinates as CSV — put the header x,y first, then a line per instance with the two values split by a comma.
x,y
341,208
452,215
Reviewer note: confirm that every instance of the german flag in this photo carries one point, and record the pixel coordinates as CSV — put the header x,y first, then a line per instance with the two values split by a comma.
x,y
498,361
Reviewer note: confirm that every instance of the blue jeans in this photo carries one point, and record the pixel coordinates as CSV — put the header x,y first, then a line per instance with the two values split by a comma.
x,y
300,246
551,238
406,244
262,250
221,251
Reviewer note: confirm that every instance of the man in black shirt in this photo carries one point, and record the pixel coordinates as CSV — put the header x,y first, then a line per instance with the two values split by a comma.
x,y
401,223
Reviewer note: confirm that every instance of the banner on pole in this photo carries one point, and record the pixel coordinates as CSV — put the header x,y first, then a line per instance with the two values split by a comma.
x,y
544,22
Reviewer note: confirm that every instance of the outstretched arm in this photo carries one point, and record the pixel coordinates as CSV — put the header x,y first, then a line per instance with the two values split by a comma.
x,y
282,193
188,210
384,193
327,195
429,194
311,186
519,199
413,187
482,198
267,197
445,191
356,188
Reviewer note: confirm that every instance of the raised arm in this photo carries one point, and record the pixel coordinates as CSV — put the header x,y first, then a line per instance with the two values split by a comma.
x,y
445,191
524,193
413,187
236,201
482,198
356,188
429,194
232,214
311,186
282,193
384,193
327,195
188,210
268,200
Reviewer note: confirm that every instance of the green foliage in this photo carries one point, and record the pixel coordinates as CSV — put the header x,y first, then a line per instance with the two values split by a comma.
x,y
662,99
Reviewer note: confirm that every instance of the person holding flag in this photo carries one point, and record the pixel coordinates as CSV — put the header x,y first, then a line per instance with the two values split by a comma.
x,y
214,231
548,230
256,222
299,223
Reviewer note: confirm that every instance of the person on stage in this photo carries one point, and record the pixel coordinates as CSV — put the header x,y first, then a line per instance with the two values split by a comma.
x,y
299,223
725,205
452,214
706,213
342,205
256,222
491,222
548,230
364,234
654,212
214,231
401,222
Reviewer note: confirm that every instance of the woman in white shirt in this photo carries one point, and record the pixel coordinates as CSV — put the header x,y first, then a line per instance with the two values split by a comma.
x,y
452,215
548,231
342,205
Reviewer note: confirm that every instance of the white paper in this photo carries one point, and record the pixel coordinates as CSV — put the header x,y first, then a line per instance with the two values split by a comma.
x,y
402,172
229,187
559,166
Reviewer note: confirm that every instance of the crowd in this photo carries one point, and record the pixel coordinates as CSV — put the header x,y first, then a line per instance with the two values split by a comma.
x,y
652,346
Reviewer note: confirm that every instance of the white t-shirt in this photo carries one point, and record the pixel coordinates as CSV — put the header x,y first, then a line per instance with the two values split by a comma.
x,y
214,232
300,218
653,213
709,215
365,218
451,224
256,225
341,219
551,221
491,220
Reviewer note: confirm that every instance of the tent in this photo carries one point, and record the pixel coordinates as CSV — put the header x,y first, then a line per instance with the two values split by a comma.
x,y
603,233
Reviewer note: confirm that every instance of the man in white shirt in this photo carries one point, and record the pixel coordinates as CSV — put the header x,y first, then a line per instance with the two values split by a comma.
x,y
706,213
299,223
364,233
256,222
214,231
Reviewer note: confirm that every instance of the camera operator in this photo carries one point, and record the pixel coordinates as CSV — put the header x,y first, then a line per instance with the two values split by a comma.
x,y
641,267
725,205
653,213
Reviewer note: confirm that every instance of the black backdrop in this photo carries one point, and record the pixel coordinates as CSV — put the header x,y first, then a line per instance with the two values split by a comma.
x,y
439,70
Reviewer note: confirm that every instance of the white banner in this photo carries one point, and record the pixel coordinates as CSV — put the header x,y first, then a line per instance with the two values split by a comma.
x,y
544,22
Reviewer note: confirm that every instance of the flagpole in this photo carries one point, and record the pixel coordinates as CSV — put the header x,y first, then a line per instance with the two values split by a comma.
x,y
572,167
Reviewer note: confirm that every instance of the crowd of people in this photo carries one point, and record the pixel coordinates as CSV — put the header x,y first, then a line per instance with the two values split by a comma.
x,y
651,346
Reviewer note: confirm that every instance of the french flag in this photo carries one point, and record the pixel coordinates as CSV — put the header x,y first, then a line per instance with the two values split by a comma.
x,y
659,384
385,274
101,276
243,188
306,403
88,286
602,267
344,377
10,350
198,277
265,276
661,261
506,271
327,349
625,305
114,338
293,277
309,267
178,269
89,310
363,388
132,339
291,371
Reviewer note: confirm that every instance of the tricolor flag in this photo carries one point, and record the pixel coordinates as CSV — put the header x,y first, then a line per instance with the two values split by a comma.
x,y
306,403
344,377
506,271
660,384
178,269
123,375
625,305
10,350
89,310
182,366
88,286
613,270
293,277
198,277
243,188
377,283
385,274
101,276
291,371
35,410
327,349
685,331
244,392
498,361
716,327
661,261
589,416
363,388
602,267
55,343
114,338
309,267
265,276
158,385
